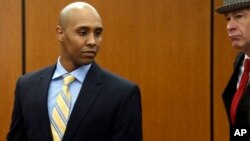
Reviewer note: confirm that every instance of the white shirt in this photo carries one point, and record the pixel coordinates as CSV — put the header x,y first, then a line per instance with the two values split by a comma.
x,y
241,71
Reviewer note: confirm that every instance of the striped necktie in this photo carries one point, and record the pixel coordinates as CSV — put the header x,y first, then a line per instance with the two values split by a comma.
x,y
61,110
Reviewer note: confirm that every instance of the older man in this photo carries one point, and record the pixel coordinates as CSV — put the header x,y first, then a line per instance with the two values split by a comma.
x,y
76,100
237,93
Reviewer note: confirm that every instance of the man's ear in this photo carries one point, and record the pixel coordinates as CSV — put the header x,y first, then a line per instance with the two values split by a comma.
x,y
59,33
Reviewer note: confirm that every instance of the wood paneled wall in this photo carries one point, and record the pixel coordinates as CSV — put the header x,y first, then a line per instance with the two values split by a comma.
x,y
153,44
159,50
162,45
10,59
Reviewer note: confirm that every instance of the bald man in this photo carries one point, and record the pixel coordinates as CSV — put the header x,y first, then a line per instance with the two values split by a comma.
x,y
95,105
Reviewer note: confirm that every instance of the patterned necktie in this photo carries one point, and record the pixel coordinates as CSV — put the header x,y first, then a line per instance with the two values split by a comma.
x,y
240,90
61,111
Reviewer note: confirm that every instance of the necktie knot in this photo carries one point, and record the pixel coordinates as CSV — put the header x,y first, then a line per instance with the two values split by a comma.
x,y
67,79
247,65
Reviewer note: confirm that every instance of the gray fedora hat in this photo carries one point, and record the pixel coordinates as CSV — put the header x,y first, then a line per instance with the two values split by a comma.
x,y
231,5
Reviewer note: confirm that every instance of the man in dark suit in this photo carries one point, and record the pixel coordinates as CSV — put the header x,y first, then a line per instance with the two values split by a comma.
x,y
237,93
101,106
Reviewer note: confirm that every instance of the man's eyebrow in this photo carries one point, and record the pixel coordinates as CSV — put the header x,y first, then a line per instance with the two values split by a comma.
x,y
99,28
237,11
83,27
87,27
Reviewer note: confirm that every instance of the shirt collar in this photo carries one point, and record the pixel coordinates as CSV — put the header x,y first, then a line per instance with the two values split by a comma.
x,y
246,57
79,73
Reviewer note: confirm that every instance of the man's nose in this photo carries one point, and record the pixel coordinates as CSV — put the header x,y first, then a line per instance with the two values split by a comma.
x,y
91,40
231,25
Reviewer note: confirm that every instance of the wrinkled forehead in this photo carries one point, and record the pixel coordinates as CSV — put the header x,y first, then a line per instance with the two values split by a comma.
x,y
243,10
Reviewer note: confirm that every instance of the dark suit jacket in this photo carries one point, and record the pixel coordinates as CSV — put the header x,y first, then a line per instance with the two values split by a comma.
x,y
108,108
243,111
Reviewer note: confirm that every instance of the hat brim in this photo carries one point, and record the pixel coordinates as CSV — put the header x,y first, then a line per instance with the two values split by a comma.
x,y
233,7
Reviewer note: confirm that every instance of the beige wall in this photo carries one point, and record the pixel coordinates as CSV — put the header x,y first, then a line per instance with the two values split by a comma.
x,y
161,45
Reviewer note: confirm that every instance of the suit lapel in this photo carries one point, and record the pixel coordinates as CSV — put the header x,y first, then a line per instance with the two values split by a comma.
x,y
87,96
232,84
243,108
42,90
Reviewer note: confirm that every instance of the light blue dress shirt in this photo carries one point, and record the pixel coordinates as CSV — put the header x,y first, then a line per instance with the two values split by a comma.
x,y
57,83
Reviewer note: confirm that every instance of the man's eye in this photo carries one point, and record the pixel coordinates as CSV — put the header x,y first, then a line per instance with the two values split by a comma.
x,y
227,18
238,16
82,33
98,33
